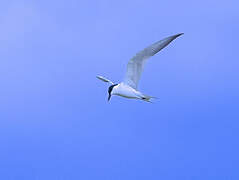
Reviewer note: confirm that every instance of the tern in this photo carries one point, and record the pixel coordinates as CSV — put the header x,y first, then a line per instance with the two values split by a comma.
x,y
128,87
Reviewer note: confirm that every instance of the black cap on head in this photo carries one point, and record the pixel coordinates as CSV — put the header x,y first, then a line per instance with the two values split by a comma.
x,y
110,90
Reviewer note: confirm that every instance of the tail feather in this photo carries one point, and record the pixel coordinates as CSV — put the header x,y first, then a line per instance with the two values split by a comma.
x,y
148,98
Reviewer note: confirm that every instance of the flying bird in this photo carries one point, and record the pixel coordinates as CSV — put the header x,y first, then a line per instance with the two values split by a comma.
x,y
128,88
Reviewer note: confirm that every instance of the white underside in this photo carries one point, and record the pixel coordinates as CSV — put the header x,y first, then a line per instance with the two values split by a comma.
x,y
126,91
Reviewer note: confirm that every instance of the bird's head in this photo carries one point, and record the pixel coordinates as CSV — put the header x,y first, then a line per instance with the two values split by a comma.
x,y
110,90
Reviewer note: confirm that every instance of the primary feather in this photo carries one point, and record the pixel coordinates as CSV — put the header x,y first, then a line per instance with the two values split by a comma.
x,y
136,64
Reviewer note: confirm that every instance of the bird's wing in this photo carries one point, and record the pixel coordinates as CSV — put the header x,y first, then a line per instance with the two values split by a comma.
x,y
104,79
136,64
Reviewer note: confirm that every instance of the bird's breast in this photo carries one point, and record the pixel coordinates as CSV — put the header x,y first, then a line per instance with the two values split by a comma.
x,y
126,91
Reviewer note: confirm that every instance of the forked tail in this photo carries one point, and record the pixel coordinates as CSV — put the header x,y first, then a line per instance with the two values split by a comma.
x,y
148,98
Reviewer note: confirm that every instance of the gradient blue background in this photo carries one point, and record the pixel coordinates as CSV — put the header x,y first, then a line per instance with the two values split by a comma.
x,y
55,121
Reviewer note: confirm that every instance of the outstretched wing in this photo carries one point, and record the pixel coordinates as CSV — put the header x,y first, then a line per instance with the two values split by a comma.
x,y
104,79
136,64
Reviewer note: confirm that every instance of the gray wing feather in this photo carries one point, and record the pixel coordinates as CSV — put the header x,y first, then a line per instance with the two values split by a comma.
x,y
136,64
104,79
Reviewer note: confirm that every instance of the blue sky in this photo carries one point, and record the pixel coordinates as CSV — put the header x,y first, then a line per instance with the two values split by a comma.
x,y
55,121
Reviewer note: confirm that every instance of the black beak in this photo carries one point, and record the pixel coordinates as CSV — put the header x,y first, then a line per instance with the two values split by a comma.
x,y
109,97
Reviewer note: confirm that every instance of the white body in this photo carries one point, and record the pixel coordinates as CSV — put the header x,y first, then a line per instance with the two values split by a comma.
x,y
128,92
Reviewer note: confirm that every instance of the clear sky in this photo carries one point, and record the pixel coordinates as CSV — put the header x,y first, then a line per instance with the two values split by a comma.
x,y
55,121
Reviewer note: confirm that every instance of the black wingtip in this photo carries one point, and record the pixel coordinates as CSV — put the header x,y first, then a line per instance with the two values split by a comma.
x,y
177,35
